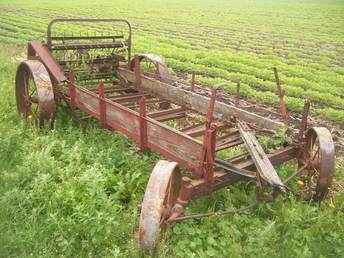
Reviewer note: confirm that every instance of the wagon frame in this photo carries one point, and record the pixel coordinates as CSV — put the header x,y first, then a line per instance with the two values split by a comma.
x,y
140,104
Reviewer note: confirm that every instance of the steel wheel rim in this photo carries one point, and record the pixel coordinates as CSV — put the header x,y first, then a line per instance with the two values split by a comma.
x,y
34,93
160,196
319,154
155,65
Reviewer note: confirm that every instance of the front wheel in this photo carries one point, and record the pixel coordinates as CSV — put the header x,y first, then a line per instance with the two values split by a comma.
x,y
160,197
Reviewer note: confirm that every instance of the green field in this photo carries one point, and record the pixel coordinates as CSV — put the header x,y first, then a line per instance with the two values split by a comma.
x,y
75,191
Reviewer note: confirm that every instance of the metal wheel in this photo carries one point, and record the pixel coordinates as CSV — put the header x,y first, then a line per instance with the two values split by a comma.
x,y
34,93
160,197
152,66
319,153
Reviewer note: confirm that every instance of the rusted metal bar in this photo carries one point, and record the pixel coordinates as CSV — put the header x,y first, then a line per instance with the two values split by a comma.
x,y
209,142
200,187
87,46
102,105
304,120
212,214
64,38
193,82
281,93
137,73
40,51
124,43
276,158
71,89
143,124
208,154
210,112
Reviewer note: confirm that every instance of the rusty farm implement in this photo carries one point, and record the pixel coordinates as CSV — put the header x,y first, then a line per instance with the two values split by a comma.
x,y
193,127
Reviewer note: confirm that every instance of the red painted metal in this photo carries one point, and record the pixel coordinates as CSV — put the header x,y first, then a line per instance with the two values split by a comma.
x,y
208,155
71,89
37,50
143,124
102,105
144,100
137,72
209,142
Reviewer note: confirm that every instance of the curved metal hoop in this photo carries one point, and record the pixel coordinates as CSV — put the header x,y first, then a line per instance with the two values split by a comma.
x,y
160,196
161,70
320,153
34,70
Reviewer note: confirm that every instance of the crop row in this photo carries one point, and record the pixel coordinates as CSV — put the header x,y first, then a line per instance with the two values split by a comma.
x,y
215,52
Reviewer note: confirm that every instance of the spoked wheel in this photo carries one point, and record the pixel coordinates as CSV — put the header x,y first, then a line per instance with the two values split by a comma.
x,y
319,155
160,197
152,66
34,93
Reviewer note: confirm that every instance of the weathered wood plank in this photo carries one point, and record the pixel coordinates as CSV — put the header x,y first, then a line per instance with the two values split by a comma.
x,y
260,159
199,102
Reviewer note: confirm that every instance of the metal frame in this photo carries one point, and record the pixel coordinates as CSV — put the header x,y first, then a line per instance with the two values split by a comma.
x,y
50,38
124,105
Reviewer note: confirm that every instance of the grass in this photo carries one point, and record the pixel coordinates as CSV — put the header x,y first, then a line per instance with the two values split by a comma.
x,y
75,191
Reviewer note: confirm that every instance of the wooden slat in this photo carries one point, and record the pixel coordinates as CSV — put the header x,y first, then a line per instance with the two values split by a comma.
x,y
173,116
198,130
199,103
129,97
260,159
166,112
230,140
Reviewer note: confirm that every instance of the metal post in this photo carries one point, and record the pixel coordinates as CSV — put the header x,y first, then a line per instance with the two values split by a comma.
x,y
209,152
137,73
209,142
210,111
143,123
304,120
193,82
281,93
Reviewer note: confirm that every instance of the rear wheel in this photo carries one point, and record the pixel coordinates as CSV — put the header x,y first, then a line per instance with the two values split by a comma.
x,y
319,155
34,93
152,66
160,197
